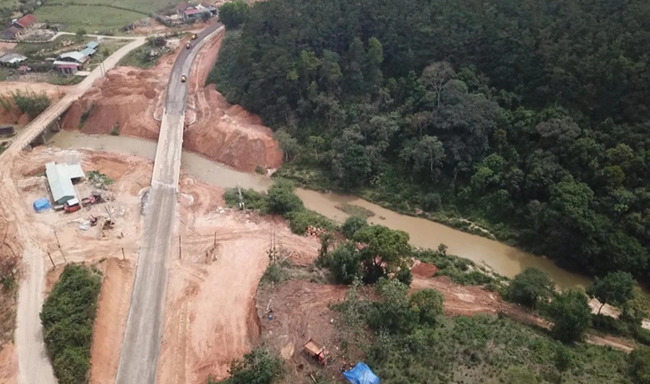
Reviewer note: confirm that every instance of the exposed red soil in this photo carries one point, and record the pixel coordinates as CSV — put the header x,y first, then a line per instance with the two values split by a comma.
x,y
131,98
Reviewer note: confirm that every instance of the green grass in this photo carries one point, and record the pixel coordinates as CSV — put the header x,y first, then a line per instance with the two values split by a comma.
x,y
92,19
355,210
145,6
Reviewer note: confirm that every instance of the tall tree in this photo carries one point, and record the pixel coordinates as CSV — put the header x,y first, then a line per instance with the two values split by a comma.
x,y
616,288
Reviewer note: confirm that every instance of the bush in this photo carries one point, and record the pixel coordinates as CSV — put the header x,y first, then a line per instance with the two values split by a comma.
x,y
274,273
428,303
432,202
234,14
530,287
299,221
345,263
257,367
571,315
31,103
640,365
617,288
282,198
68,315
393,311
252,198
352,225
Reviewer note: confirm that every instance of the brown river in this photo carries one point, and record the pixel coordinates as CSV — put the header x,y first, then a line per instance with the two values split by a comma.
x,y
503,259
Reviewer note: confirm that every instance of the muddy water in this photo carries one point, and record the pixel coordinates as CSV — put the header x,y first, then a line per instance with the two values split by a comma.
x,y
502,258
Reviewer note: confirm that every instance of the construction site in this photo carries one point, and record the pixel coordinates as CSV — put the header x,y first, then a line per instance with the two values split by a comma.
x,y
216,309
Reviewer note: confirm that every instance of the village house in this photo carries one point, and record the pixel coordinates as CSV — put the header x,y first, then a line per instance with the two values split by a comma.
x,y
12,60
70,62
11,33
18,27
189,12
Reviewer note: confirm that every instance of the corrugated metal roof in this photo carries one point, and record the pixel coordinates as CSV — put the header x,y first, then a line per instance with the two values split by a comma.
x,y
76,56
92,44
192,11
65,64
88,51
59,177
12,58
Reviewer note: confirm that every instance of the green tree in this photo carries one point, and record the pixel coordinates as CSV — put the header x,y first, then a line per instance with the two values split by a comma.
x,y
530,287
345,263
282,199
257,367
393,311
428,303
288,144
81,33
352,224
384,250
234,14
571,315
616,288
636,309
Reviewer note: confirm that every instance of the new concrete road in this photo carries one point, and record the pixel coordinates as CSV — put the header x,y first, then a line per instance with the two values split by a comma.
x,y
141,348
51,114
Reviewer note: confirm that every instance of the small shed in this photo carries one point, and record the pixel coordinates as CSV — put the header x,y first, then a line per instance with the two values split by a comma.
x,y
60,178
66,67
93,45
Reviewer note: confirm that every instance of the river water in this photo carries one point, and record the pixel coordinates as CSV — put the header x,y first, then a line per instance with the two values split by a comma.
x,y
503,259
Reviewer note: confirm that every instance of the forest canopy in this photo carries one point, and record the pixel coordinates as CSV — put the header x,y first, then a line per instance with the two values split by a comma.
x,y
530,115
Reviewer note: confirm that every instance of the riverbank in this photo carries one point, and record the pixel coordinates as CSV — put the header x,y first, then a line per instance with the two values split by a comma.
x,y
503,259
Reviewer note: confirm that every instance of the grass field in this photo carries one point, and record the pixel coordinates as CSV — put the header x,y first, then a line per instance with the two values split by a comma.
x,y
91,18
146,6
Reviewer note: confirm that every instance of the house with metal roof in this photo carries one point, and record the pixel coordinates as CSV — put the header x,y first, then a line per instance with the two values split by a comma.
x,y
12,59
60,178
93,45
11,33
25,22
77,57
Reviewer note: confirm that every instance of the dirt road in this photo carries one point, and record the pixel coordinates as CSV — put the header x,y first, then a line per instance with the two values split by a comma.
x,y
138,363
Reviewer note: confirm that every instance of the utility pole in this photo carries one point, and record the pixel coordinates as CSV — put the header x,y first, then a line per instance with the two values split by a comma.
x,y
50,256
123,257
180,247
60,249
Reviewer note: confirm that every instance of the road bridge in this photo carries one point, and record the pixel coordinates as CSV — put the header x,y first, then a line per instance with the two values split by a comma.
x,y
141,348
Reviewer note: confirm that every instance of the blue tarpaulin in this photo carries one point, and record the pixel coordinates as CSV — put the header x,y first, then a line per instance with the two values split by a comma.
x,y
42,204
361,374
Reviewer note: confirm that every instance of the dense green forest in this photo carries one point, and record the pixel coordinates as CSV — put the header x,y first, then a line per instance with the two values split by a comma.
x,y
529,116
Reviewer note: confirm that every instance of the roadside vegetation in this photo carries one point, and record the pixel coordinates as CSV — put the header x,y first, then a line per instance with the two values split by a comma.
x,y
406,108
68,315
148,55
30,103
257,367
9,263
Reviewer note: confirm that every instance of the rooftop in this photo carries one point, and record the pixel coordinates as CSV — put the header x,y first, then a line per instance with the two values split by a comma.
x,y
92,44
76,56
59,177
88,51
12,58
11,31
26,20
182,6
192,11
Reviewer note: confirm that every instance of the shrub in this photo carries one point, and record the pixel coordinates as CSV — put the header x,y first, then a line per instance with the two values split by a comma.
x,y
530,287
68,315
257,367
345,263
640,365
31,103
432,202
299,221
393,311
282,198
571,314
274,274
252,198
428,303
352,225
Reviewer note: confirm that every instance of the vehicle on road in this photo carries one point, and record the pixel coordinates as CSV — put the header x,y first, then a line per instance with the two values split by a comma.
x,y
71,205
183,78
188,46
316,350
194,36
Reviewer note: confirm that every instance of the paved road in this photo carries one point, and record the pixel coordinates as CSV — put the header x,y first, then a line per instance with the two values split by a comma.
x,y
34,365
42,121
141,348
